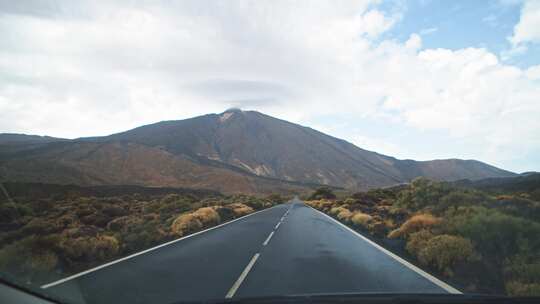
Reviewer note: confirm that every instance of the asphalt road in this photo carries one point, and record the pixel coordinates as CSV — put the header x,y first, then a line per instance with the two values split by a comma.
x,y
289,249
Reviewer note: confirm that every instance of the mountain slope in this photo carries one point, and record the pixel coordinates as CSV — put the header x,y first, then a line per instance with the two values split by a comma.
x,y
272,147
233,150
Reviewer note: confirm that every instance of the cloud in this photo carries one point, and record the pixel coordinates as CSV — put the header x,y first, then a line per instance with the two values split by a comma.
x,y
93,68
490,20
527,30
428,31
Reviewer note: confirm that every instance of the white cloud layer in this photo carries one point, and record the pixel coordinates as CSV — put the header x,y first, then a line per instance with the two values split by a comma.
x,y
528,28
93,68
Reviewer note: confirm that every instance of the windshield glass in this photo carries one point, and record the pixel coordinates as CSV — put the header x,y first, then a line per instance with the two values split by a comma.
x,y
170,151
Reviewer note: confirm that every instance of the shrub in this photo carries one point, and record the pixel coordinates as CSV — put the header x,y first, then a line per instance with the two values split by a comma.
x,y
114,211
445,251
418,241
344,215
336,210
361,219
422,193
124,223
11,212
322,193
89,249
185,224
190,222
41,226
207,216
414,224
240,209
515,288
275,198
495,232
225,214
29,257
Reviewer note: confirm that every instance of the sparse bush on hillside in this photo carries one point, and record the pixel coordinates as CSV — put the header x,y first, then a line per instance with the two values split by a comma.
x,y
486,241
68,233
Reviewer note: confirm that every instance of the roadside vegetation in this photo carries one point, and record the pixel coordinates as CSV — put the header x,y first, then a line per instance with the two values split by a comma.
x,y
482,241
48,236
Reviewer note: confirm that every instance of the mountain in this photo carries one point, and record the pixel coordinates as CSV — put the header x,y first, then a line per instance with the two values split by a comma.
x,y
528,182
232,151
15,139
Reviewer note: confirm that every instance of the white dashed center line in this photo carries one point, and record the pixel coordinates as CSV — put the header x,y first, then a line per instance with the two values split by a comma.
x,y
244,273
268,238
241,278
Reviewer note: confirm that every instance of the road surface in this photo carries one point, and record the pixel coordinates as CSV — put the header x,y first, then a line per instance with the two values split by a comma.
x,y
290,249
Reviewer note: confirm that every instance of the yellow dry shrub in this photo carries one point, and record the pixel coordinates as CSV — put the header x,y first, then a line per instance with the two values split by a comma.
x,y
207,216
389,223
361,219
240,209
336,210
394,234
414,224
190,222
185,223
100,247
105,246
344,215
322,205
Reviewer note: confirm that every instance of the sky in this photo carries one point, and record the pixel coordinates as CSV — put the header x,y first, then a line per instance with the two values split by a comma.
x,y
411,79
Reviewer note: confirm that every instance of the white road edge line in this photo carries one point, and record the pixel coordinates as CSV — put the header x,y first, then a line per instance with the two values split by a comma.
x,y
145,251
268,238
426,275
242,276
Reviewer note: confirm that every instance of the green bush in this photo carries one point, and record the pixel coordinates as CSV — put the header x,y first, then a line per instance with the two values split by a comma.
x,y
422,193
30,257
495,233
444,251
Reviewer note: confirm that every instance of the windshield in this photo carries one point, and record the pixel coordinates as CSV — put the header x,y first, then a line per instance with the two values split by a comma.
x,y
172,151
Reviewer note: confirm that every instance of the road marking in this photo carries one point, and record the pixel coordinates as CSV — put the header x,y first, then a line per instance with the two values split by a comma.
x,y
279,223
241,278
268,238
426,275
145,251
